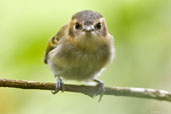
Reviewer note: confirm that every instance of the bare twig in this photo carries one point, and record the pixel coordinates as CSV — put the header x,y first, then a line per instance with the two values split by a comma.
x,y
90,90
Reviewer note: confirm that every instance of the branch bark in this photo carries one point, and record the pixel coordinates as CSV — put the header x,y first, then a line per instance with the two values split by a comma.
x,y
90,90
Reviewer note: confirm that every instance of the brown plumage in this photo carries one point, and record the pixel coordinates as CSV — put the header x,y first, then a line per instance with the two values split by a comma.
x,y
53,42
81,48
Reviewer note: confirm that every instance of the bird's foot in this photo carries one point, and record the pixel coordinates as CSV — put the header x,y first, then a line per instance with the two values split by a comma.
x,y
59,85
101,88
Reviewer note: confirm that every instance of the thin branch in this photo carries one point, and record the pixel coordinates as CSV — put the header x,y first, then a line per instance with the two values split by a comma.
x,y
90,90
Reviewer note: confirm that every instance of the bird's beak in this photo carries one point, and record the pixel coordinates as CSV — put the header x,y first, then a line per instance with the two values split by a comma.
x,y
89,28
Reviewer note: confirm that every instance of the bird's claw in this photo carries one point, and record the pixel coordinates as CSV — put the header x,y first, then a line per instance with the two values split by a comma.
x,y
59,86
101,89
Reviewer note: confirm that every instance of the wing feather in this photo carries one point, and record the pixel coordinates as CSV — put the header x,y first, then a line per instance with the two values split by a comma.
x,y
53,42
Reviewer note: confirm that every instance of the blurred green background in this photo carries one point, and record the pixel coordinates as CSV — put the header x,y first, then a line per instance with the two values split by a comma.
x,y
142,30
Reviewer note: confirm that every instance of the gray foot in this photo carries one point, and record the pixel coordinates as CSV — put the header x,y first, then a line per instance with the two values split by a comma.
x,y
101,88
59,85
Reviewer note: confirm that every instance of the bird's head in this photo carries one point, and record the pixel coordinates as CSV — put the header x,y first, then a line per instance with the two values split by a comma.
x,y
87,27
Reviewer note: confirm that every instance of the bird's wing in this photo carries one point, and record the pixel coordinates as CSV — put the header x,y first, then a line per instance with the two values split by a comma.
x,y
53,42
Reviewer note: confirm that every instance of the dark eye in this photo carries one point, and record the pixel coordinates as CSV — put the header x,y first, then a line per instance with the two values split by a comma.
x,y
98,26
78,26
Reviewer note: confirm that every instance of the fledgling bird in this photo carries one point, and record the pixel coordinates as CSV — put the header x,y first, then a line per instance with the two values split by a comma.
x,y
80,50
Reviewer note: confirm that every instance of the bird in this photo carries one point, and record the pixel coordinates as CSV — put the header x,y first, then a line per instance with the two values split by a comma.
x,y
80,50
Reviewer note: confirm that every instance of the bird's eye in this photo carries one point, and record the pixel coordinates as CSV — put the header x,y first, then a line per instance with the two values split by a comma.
x,y
98,26
78,26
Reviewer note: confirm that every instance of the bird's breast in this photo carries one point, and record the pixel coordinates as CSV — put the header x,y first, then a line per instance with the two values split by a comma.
x,y
77,64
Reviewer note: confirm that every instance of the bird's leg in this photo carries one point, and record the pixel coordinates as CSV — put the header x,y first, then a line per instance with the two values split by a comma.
x,y
101,88
59,85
